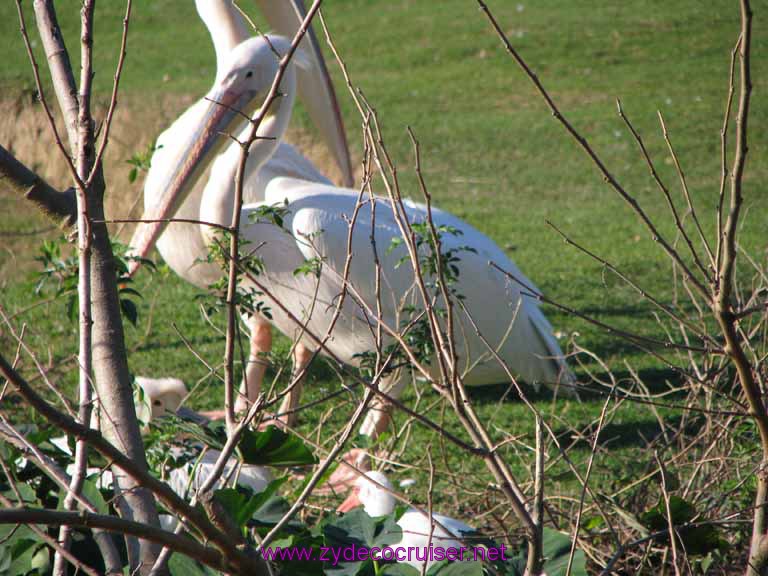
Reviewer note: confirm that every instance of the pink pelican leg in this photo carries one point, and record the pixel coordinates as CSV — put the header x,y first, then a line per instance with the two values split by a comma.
x,y
261,345
301,358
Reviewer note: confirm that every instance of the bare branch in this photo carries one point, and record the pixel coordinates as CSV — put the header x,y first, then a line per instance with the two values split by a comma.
x,y
686,192
60,550
116,85
209,556
664,190
587,474
58,206
584,144
62,78
640,290
119,459
41,95
724,154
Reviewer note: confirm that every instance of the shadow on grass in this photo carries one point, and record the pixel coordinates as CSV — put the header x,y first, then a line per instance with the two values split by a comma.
x,y
615,435
656,379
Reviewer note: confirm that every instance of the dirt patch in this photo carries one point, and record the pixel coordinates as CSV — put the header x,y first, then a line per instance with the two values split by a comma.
x,y
24,130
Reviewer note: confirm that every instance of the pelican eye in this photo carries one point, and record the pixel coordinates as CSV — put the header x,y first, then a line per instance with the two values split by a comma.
x,y
249,74
157,403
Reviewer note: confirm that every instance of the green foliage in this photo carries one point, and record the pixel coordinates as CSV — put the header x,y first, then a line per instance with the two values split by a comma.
x,y
141,161
270,214
243,505
494,158
22,552
60,276
311,266
432,258
556,551
358,528
180,565
274,447
268,447
698,539
247,298
414,323
56,269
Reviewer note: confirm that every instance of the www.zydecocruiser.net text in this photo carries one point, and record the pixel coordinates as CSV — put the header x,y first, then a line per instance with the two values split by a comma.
x,y
354,553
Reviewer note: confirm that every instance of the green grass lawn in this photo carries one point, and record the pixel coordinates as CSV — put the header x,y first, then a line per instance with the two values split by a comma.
x,y
493,155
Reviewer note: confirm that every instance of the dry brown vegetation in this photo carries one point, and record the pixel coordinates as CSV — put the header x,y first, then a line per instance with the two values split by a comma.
x,y
25,132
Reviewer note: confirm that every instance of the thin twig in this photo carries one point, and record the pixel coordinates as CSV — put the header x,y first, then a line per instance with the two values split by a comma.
x,y
584,144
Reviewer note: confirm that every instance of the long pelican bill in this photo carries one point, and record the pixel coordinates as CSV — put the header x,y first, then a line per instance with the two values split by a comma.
x,y
315,87
222,116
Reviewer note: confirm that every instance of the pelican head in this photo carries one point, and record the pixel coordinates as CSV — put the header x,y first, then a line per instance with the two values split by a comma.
x,y
368,492
251,68
158,397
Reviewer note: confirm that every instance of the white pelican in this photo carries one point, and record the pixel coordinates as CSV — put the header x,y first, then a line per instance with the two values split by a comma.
x,y
316,225
181,245
161,396
415,525
164,395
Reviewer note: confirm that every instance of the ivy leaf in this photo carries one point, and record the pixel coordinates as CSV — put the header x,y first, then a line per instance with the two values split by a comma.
x,y
400,569
180,565
237,503
300,567
212,434
355,527
273,447
242,503
556,548
700,539
680,510
447,568
358,529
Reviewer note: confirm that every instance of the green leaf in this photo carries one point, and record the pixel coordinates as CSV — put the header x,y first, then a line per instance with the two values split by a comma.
x,y
129,310
180,565
702,540
41,561
354,527
357,528
211,434
273,447
21,550
298,567
698,540
26,492
125,291
459,569
556,549
593,522
388,532
399,569
242,503
237,503
92,494
680,510
272,511
22,564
